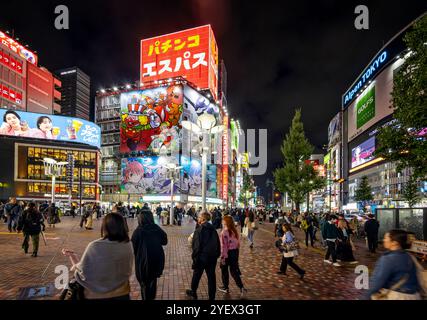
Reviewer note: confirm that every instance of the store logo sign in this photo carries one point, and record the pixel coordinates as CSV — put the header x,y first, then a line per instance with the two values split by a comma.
x,y
365,108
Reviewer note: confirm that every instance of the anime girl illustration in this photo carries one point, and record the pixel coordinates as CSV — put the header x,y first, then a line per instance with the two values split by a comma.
x,y
195,175
133,175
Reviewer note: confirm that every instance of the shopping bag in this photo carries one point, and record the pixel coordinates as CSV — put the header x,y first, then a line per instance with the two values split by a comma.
x,y
245,232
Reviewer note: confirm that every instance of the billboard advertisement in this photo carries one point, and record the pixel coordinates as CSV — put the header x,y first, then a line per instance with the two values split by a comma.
x,y
18,48
150,119
195,104
147,175
365,108
191,176
234,136
190,53
363,153
225,147
51,127
373,104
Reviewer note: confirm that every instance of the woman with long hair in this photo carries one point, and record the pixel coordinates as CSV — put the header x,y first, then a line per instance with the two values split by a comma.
x,y
344,246
230,244
288,241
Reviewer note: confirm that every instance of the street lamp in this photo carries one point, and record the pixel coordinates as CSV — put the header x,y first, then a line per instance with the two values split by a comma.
x,y
173,174
54,169
205,127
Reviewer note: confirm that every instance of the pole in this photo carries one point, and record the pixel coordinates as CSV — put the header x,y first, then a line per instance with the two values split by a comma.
x,y
171,210
308,200
53,188
81,191
204,164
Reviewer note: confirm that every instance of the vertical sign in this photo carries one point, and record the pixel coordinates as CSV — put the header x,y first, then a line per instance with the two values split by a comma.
x,y
225,147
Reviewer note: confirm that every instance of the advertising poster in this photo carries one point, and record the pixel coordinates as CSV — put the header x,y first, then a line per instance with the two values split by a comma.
x,y
211,185
190,53
51,127
147,175
150,120
365,108
18,48
334,130
363,153
191,176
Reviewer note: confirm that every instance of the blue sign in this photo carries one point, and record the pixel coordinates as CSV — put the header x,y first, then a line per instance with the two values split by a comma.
x,y
50,127
366,76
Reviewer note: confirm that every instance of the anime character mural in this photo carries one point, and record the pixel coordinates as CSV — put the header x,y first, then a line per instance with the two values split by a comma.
x,y
150,115
132,176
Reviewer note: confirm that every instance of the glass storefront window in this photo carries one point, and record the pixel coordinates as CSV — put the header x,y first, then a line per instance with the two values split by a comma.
x,y
412,220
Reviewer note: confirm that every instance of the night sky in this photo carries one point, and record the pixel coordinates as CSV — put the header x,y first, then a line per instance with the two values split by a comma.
x,y
300,54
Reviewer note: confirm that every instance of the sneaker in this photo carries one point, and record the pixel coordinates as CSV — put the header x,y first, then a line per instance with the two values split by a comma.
x,y
251,246
327,261
223,289
301,276
336,264
243,293
191,294
281,272
354,262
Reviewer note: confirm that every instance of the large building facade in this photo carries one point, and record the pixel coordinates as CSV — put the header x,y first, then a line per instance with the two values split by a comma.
x,y
75,92
366,106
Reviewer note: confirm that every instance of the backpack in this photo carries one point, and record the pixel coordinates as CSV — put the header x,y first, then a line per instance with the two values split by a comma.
x,y
304,225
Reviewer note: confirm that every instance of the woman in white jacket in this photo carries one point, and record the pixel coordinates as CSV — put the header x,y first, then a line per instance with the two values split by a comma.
x,y
291,251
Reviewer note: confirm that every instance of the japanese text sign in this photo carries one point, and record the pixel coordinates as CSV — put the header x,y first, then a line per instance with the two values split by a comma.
x,y
191,54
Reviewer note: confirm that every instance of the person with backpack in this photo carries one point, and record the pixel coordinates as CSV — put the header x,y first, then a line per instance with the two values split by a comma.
x,y
230,244
308,228
10,214
31,224
53,215
148,240
397,274
206,251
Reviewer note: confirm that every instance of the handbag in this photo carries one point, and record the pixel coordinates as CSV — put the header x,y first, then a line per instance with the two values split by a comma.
x,y
74,291
291,246
385,294
421,276
245,232
254,225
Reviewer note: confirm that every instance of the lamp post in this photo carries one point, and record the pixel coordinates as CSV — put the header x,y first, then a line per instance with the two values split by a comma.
x,y
53,168
173,171
205,127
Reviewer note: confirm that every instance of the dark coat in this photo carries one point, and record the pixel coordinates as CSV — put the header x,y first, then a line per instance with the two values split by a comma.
x,y
147,243
31,222
371,228
206,246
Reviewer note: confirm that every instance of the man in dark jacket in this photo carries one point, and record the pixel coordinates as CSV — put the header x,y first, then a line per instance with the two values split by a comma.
x,y
31,224
371,229
10,213
148,239
206,251
330,234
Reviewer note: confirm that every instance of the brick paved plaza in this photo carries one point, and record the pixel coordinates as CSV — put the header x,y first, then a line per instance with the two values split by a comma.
x,y
258,266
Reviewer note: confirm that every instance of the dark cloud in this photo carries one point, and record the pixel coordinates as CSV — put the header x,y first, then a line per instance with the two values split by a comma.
x,y
279,55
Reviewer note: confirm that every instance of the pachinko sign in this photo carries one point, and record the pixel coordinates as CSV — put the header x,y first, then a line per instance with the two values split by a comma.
x,y
192,54
18,49
51,127
150,119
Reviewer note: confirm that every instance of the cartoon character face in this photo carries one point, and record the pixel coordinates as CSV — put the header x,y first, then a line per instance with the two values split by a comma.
x,y
154,119
133,173
131,121
46,125
175,94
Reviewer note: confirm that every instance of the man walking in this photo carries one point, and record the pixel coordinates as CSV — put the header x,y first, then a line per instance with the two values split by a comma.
x,y
330,234
371,229
206,251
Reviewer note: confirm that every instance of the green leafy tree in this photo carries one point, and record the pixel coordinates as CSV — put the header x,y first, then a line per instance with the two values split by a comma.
x,y
297,177
410,192
403,141
246,189
363,193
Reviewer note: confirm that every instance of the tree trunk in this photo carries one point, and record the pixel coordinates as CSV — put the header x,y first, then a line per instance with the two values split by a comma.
x,y
297,207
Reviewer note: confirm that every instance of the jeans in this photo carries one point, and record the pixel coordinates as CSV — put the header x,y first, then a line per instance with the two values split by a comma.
x,y
35,240
210,273
12,224
331,251
231,262
148,289
309,233
251,236
290,261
